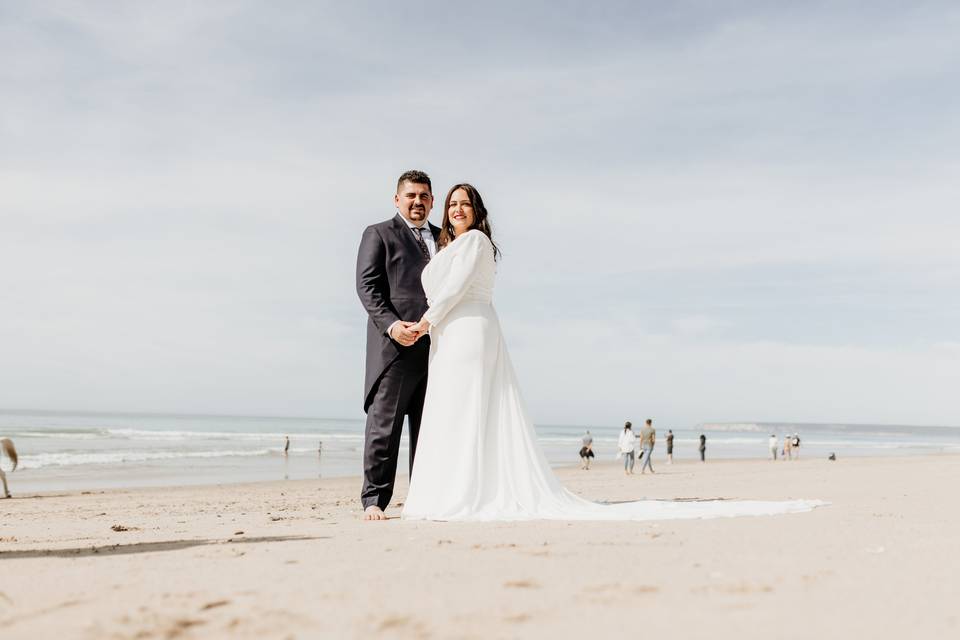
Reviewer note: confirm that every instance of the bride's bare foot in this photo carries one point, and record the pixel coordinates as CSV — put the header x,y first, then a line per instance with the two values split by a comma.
x,y
373,512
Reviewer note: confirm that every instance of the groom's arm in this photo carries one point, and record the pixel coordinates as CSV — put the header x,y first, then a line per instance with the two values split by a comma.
x,y
372,283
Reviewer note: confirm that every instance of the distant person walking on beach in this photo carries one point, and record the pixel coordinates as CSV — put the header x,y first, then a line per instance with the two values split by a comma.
x,y
669,446
788,447
773,446
648,438
286,446
703,448
586,451
796,444
627,446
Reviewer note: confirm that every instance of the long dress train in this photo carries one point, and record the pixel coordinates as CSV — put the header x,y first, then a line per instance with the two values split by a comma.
x,y
477,453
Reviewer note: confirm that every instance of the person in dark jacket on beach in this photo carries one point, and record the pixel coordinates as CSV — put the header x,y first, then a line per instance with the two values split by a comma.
x,y
586,451
703,448
390,260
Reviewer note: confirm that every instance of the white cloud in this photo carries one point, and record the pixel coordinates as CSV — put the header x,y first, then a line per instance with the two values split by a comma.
x,y
712,191
620,373
694,325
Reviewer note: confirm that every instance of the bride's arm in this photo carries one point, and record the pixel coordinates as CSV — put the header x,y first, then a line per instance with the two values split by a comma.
x,y
471,250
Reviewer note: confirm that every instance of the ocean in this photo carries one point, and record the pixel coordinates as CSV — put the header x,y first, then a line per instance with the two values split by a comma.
x,y
80,451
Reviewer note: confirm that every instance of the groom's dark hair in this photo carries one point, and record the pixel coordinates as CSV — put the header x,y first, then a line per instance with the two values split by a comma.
x,y
416,177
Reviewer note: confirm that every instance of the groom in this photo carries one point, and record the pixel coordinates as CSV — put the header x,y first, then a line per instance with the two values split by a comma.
x,y
392,255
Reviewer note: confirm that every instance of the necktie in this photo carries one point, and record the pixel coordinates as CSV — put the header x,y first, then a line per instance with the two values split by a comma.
x,y
420,243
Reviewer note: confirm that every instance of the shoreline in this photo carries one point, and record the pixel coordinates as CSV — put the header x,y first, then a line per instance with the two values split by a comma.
x,y
95,451
402,479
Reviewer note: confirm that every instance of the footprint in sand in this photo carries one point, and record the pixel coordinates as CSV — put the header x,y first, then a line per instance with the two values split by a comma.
x,y
398,623
520,617
521,584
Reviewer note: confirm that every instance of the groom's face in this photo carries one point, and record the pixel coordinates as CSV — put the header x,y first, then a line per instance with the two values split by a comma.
x,y
414,202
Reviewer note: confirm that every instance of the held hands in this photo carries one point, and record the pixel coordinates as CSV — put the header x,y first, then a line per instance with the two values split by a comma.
x,y
407,333
401,332
421,328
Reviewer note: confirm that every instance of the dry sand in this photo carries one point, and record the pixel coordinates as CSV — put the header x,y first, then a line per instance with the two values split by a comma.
x,y
293,560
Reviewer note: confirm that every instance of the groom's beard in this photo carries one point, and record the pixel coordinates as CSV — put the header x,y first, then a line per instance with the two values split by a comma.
x,y
418,215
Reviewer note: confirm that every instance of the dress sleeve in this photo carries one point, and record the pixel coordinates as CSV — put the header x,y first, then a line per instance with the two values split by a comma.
x,y
470,250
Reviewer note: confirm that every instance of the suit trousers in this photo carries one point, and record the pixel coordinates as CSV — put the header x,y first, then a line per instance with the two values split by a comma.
x,y
399,392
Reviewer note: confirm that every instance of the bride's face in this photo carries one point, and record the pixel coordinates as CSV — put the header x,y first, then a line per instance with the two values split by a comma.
x,y
460,212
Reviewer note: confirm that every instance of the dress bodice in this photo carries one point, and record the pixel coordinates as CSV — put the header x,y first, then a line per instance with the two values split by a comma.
x,y
463,271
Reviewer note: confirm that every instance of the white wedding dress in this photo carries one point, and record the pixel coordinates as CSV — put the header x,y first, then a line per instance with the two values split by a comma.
x,y
477,453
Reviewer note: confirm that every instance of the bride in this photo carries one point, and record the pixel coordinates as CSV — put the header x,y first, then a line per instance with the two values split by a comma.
x,y
477,454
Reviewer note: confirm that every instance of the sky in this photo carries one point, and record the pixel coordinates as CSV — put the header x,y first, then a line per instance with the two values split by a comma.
x,y
739,211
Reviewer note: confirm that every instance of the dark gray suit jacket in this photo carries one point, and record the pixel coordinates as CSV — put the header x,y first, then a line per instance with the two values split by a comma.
x,y
389,264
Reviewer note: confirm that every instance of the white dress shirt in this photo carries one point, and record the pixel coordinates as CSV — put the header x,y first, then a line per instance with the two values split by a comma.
x,y
427,235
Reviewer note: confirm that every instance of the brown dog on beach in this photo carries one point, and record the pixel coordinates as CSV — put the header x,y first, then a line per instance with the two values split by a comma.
x,y
6,445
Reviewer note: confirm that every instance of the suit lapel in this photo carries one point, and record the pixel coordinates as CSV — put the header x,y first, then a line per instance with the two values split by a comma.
x,y
403,231
404,234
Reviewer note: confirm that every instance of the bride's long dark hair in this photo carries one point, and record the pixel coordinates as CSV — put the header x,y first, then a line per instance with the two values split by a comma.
x,y
481,220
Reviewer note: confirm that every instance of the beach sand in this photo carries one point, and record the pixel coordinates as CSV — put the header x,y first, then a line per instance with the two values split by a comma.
x,y
294,560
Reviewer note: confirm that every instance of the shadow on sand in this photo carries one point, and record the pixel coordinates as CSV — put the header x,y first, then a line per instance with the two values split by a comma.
x,y
144,547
